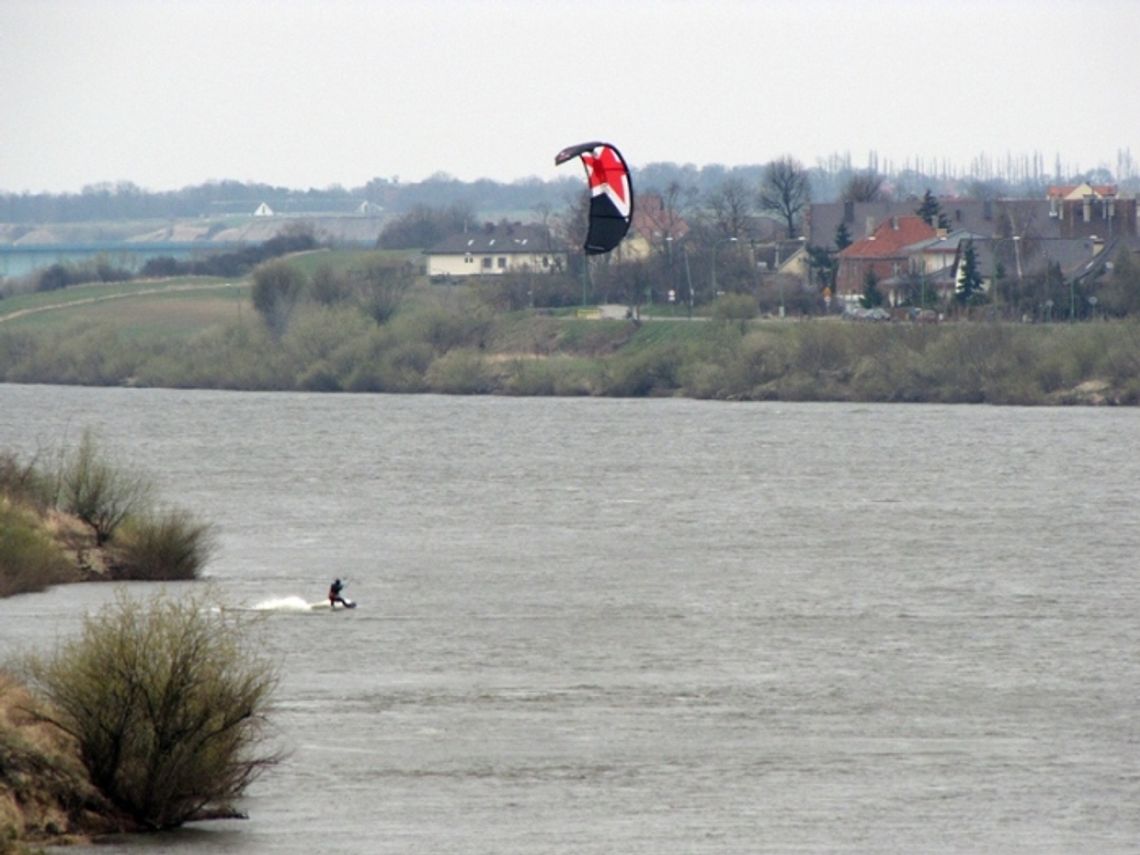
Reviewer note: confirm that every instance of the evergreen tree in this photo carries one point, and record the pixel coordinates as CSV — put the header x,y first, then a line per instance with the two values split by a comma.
x,y
969,291
931,211
823,265
872,296
842,237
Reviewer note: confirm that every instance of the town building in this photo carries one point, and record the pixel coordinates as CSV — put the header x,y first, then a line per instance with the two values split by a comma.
x,y
494,250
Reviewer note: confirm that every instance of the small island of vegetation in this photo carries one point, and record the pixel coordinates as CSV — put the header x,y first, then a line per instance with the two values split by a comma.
x,y
152,717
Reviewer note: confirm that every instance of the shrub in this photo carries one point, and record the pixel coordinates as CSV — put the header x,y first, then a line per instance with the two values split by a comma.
x,y
329,287
163,546
98,493
735,307
531,377
277,287
167,705
319,378
460,372
577,376
381,286
653,370
29,561
25,482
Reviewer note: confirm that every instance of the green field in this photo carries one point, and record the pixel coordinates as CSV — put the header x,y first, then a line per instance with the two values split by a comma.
x,y
180,305
174,306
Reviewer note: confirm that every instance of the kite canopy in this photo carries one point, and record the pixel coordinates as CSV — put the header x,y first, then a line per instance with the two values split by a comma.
x,y
611,193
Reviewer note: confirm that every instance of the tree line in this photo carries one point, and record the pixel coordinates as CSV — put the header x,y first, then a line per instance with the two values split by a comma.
x,y
829,178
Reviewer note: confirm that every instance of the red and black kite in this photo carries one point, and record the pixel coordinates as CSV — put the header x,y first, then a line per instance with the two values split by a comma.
x,y
611,193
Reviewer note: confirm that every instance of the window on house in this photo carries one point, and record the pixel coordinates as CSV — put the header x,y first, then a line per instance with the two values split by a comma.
x,y
486,262
502,262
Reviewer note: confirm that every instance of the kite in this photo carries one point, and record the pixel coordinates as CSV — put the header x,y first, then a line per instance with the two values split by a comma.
x,y
611,193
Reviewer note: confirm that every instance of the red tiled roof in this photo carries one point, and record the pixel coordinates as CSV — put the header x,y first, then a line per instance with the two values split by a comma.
x,y
1060,191
891,236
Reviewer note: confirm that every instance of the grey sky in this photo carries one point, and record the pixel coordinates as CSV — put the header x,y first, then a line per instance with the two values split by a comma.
x,y
308,94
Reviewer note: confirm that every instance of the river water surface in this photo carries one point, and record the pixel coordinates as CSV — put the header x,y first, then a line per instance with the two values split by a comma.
x,y
663,626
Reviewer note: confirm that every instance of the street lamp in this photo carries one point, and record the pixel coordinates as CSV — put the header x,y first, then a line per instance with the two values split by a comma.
x,y
1017,257
688,273
715,245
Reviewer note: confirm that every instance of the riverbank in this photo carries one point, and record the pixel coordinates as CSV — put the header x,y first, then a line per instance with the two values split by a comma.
x,y
45,547
448,347
340,336
46,797
45,794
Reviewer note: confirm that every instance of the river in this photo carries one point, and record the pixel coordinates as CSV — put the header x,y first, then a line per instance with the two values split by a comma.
x,y
655,626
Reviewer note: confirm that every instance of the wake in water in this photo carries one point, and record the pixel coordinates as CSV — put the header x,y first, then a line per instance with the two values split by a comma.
x,y
289,604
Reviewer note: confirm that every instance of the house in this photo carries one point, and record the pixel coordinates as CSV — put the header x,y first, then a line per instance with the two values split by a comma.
x,y
1084,203
932,255
1055,217
885,253
1078,192
1077,258
496,249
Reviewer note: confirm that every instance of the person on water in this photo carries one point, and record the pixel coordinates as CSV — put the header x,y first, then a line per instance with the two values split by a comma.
x,y
334,594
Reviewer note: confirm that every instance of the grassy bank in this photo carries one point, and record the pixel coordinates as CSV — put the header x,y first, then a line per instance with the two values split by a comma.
x,y
83,518
45,794
345,328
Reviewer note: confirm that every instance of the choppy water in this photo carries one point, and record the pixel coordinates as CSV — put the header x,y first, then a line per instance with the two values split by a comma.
x,y
658,626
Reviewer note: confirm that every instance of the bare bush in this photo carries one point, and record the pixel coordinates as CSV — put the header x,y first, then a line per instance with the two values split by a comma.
x,y
277,287
167,704
100,494
167,545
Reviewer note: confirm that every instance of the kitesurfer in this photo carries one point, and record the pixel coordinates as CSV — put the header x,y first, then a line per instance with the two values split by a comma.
x,y
334,594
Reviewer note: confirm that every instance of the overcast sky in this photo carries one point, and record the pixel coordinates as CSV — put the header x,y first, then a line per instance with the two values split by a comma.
x,y
311,93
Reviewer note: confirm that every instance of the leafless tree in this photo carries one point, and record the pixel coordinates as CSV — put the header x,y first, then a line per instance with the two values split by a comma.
x,y
865,186
730,206
100,494
786,191
571,224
